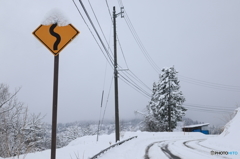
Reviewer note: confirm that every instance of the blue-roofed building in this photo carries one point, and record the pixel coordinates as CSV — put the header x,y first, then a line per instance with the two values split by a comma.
x,y
203,128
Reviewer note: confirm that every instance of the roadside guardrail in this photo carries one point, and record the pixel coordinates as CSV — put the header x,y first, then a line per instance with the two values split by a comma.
x,y
119,143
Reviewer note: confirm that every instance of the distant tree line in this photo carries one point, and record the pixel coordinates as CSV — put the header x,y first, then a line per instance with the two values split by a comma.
x,y
22,133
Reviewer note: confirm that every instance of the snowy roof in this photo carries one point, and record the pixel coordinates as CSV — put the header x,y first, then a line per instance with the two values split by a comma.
x,y
197,125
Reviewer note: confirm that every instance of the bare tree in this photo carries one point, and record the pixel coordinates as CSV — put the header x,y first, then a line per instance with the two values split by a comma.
x,y
20,132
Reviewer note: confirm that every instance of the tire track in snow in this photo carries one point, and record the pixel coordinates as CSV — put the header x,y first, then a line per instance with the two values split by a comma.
x,y
146,156
186,144
163,148
168,153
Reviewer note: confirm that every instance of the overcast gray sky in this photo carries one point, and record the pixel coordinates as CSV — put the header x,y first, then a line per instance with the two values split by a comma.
x,y
200,38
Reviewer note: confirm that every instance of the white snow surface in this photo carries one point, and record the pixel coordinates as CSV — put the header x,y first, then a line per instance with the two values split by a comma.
x,y
87,146
230,137
55,16
186,145
196,125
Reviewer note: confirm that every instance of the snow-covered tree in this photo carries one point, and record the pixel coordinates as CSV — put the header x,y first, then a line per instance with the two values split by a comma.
x,y
19,132
166,95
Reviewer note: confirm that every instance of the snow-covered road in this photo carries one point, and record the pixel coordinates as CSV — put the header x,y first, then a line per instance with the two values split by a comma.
x,y
148,145
180,149
154,145
165,146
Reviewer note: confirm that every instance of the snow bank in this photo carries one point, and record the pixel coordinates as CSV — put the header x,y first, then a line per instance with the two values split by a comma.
x,y
55,16
229,139
87,146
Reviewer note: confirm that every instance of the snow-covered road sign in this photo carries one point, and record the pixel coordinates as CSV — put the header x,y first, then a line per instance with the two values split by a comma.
x,y
55,37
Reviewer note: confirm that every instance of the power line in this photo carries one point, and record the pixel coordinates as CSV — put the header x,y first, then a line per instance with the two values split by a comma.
x,y
94,28
122,51
208,106
217,84
120,3
140,44
109,10
184,78
210,84
106,101
138,41
158,70
125,77
139,80
207,109
134,86
99,25
117,34
131,81
92,34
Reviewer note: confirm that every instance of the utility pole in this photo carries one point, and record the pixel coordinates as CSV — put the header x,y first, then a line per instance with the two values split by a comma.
x,y
116,73
169,107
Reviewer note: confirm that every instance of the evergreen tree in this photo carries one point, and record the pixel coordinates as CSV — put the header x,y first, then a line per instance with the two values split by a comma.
x,y
166,94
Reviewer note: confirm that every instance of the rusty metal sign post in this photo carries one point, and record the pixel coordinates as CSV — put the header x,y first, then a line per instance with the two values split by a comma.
x,y
55,38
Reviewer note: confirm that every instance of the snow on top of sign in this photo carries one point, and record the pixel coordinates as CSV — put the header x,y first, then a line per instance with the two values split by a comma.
x,y
55,16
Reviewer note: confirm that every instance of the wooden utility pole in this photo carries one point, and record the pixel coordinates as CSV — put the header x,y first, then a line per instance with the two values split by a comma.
x,y
115,77
116,74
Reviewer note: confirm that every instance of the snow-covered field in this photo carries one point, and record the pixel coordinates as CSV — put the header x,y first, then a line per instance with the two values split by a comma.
x,y
87,146
153,145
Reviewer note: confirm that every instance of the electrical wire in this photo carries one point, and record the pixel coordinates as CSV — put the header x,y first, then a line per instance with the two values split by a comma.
x,y
92,34
140,44
107,101
207,111
130,78
158,70
99,25
209,106
122,52
94,28
109,10
126,78
210,84
210,109
133,85
120,3
137,39
111,17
